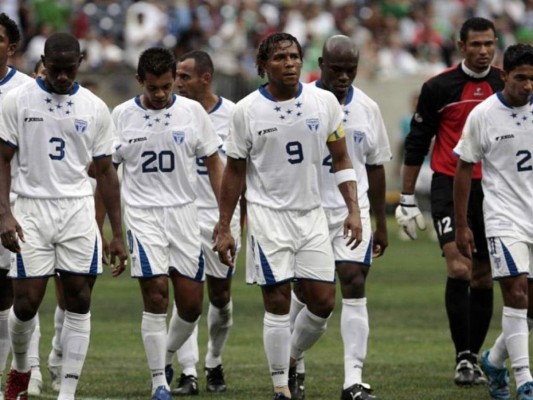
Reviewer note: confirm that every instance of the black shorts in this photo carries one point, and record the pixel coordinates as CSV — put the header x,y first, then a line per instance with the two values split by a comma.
x,y
443,215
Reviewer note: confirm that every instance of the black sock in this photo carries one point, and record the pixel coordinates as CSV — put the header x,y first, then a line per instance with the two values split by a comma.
x,y
481,304
457,308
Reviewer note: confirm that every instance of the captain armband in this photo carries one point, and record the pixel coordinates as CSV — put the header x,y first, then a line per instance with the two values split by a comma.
x,y
345,175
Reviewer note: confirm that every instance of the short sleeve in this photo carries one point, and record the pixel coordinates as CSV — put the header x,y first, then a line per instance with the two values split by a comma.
x,y
238,143
208,141
469,146
105,137
9,119
381,152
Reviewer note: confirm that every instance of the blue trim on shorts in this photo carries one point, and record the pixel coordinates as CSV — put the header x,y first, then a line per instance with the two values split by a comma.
x,y
21,271
265,266
146,269
509,260
201,266
368,255
94,263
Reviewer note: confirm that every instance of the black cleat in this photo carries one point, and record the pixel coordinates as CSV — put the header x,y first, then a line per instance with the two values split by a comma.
x,y
358,391
464,373
215,379
300,380
479,375
293,383
187,386
280,396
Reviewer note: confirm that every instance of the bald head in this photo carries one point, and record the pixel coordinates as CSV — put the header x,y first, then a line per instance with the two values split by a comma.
x,y
338,65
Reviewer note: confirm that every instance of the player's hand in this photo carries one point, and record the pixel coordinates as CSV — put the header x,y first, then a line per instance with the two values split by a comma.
x,y
11,232
380,242
118,253
408,215
224,245
353,229
464,239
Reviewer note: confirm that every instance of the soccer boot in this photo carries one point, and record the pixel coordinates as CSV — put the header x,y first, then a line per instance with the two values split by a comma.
x,y
187,386
293,383
35,387
300,381
498,378
525,392
280,396
215,382
464,373
17,385
162,393
54,368
358,391
169,373
479,375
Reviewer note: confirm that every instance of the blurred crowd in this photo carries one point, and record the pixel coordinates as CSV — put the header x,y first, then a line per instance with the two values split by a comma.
x,y
397,38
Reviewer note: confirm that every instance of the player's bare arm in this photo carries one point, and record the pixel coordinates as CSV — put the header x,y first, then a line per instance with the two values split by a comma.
x,y
10,230
461,193
340,161
232,183
107,181
376,196
215,169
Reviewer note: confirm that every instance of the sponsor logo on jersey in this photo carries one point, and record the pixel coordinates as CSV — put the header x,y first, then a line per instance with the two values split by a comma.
x,y
503,137
265,131
138,139
312,124
80,125
178,136
358,136
33,119
479,92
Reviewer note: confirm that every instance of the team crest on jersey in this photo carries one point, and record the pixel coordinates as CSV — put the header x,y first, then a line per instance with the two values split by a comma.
x,y
178,136
312,124
358,136
80,125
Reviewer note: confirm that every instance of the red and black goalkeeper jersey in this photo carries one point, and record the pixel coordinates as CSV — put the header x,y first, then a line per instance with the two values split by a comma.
x,y
443,106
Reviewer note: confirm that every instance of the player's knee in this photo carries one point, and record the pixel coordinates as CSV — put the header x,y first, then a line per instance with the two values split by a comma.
x,y
219,299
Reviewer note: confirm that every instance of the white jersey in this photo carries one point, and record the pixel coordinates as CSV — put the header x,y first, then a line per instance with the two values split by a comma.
x,y
57,135
283,142
158,149
500,136
367,143
220,117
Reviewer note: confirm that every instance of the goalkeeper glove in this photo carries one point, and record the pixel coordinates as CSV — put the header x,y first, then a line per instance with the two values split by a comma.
x,y
408,215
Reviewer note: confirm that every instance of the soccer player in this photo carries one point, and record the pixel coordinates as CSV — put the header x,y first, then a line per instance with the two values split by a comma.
x,y
193,80
278,135
497,133
10,79
443,105
368,146
55,128
161,135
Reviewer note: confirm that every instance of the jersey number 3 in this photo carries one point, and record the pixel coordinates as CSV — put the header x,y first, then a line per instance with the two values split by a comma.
x,y
59,149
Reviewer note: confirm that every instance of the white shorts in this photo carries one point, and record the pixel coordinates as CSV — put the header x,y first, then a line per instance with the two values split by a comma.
x,y
287,245
362,254
60,235
510,257
208,218
160,238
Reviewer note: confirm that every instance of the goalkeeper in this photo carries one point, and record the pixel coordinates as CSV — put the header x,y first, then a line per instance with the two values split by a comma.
x,y
443,106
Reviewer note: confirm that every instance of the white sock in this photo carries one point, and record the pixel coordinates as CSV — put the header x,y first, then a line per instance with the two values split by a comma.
x,y
276,339
498,352
59,317
219,322
75,343
296,307
179,331
20,335
515,330
354,331
188,354
5,345
33,350
308,328
154,335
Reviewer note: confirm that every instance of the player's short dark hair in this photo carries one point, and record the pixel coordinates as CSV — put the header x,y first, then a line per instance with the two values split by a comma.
x,y
203,62
61,42
12,30
476,24
157,61
517,55
268,45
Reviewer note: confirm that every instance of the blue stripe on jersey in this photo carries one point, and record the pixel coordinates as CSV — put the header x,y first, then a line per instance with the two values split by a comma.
x,y
94,263
368,255
201,266
509,260
42,85
10,144
263,91
140,104
21,272
146,269
265,266
349,96
8,76
217,106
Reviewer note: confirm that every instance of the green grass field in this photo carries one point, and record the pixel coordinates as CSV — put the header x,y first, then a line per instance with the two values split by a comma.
x,y
410,354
